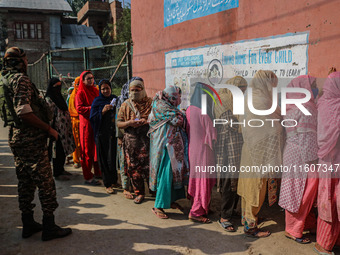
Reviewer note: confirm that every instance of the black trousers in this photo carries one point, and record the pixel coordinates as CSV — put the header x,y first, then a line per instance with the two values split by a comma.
x,y
106,153
59,161
229,199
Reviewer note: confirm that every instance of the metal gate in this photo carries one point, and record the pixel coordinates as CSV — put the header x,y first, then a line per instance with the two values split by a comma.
x,y
112,62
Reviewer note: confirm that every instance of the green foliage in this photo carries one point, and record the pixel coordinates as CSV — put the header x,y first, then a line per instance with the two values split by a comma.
x,y
115,54
123,27
76,5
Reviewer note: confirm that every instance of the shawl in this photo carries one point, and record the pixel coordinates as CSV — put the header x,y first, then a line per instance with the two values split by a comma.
x,y
196,98
97,108
227,97
171,136
124,94
89,92
71,103
329,116
304,123
132,109
70,89
55,94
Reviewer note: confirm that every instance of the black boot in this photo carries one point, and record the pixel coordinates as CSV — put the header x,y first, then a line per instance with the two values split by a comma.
x,y
51,230
29,225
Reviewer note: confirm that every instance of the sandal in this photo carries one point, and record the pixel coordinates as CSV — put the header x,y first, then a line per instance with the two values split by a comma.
x,y
139,199
322,252
159,213
302,240
256,233
110,190
200,219
175,205
127,194
227,225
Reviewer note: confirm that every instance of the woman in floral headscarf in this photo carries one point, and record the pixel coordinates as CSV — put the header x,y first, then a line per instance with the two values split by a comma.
x,y
169,166
132,117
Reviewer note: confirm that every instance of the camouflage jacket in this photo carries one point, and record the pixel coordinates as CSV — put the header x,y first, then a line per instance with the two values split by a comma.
x,y
26,99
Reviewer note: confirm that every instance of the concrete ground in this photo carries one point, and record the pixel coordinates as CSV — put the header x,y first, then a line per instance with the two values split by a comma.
x,y
111,224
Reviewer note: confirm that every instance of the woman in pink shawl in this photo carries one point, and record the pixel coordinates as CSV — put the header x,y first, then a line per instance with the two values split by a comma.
x,y
329,154
299,189
202,135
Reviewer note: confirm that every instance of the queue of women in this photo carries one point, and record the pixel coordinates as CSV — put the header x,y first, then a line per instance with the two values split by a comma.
x,y
145,140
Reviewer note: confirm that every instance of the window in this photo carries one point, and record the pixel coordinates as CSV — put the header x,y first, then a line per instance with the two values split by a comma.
x,y
28,30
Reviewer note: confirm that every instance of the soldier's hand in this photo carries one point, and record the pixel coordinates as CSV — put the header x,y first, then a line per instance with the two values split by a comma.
x,y
53,133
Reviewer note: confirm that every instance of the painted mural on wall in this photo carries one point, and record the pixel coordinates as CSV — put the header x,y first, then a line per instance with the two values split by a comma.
x,y
285,55
177,11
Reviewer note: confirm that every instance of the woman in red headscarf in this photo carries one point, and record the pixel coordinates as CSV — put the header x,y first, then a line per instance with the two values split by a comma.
x,y
87,92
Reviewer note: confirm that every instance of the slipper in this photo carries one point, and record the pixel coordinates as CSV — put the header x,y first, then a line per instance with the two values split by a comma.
x,y
200,219
302,240
110,190
255,233
322,253
127,195
226,224
139,199
159,213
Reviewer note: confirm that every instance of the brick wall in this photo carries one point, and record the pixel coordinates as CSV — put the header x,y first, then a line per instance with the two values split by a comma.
x,y
251,20
96,15
33,47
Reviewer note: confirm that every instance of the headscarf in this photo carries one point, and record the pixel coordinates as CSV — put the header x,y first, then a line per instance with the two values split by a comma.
x,y
137,96
71,105
55,94
90,92
124,94
304,123
227,97
164,108
196,98
14,60
138,102
68,94
329,116
97,107
305,82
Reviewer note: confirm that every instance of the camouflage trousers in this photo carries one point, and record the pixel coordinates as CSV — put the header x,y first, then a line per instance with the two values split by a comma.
x,y
33,171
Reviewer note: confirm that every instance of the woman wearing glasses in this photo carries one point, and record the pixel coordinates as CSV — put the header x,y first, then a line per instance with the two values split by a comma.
x,y
87,92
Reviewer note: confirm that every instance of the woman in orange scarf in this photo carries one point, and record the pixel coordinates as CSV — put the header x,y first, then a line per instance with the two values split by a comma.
x,y
75,123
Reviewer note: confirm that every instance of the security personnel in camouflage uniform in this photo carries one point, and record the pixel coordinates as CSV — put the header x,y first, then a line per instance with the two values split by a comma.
x,y
27,141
